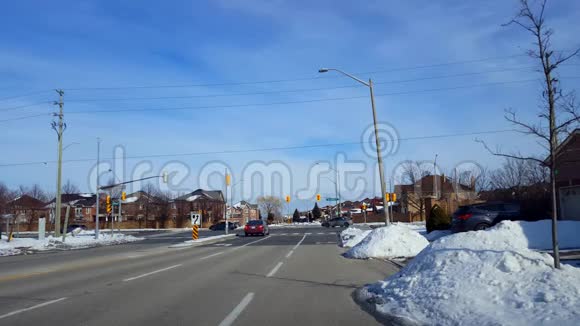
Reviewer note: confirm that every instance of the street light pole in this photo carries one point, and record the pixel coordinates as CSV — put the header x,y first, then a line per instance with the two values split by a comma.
x,y
98,163
59,128
379,157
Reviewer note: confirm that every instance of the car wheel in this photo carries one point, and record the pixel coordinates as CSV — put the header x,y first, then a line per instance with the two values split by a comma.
x,y
481,226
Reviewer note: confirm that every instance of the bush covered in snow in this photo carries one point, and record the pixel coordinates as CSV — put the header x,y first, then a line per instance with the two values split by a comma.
x,y
480,278
389,242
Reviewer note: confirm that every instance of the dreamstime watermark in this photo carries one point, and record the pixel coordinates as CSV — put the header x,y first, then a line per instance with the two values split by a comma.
x,y
341,176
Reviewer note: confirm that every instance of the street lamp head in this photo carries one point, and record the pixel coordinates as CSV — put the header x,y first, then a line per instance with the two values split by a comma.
x,y
321,70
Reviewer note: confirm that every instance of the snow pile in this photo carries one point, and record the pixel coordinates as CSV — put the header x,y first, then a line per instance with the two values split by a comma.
x,y
436,234
84,239
484,278
352,236
389,242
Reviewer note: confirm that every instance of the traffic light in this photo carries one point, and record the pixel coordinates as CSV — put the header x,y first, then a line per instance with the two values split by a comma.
x,y
388,197
287,199
318,197
123,195
394,197
363,206
228,179
109,208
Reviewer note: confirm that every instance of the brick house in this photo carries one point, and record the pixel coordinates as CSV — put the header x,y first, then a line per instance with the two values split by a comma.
x,y
415,200
209,203
568,176
82,207
242,212
145,210
26,210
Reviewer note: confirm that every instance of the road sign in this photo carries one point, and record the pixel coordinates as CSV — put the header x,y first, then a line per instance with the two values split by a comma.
x,y
195,219
331,199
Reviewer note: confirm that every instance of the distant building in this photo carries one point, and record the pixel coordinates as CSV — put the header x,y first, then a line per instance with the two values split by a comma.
x,y
243,211
568,176
209,203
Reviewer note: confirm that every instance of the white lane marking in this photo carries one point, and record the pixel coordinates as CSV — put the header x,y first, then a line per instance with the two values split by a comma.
x,y
296,233
222,244
249,243
237,310
274,270
320,233
289,253
15,312
212,255
299,242
151,273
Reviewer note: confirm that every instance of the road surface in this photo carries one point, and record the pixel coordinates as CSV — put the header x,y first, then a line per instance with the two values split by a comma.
x,y
295,276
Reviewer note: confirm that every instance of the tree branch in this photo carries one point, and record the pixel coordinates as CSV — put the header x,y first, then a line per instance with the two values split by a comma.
x,y
497,153
531,130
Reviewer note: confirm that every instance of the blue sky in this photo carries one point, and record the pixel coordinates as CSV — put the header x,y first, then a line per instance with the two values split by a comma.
x,y
84,44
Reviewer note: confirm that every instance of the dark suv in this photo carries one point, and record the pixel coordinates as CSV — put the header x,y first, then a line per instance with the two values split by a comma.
x,y
337,221
482,216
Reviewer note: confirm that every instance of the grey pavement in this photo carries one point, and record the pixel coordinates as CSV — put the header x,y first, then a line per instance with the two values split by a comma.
x,y
294,276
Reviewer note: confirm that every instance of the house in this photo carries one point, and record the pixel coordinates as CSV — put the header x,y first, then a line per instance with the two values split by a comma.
x,y
242,212
209,203
26,210
145,210
82,207
567,169
415,200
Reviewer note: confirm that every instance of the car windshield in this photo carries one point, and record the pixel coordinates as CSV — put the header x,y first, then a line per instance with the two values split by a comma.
x,y
255,222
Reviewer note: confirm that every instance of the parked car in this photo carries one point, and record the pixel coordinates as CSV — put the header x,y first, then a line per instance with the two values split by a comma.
x,y
73,227
482,216
256,227
221,226
337,221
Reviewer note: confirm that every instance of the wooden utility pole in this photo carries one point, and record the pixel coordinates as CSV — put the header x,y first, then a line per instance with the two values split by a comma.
x,y
59,127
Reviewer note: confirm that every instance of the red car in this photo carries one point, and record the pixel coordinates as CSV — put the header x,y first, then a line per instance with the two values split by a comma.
x,y
256,227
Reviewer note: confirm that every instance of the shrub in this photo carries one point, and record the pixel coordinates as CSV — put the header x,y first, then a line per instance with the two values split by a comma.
x,y
438,219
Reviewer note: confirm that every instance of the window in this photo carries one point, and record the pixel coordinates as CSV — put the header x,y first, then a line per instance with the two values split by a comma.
x,y
78,211
88,210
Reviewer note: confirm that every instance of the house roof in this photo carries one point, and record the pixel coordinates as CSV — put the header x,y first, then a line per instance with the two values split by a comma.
x,y
201,193
567,142
427,184
27,201
75,199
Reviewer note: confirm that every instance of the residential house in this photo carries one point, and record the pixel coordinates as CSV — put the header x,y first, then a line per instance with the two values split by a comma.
x,y
568,176
82,208
416,200
26,210
144,210
209,203
242,212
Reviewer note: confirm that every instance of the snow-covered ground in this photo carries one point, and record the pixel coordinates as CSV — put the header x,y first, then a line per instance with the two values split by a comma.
x,y
487,277
389,242
84,239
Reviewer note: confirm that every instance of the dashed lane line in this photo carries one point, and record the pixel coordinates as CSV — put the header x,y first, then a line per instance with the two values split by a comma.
x,y
232,316
151,273
40,305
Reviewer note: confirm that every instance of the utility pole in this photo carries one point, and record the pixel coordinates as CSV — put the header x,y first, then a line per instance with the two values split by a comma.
x,y
98,163
226,200
59,127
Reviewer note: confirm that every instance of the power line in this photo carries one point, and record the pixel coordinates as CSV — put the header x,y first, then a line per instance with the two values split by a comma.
x,y
266,149
24,106
293,79
26,117
302,101
295,90
23,95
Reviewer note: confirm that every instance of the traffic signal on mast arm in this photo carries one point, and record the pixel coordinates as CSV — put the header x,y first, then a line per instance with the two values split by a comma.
x,y
394,197
109,208
123,195
388,197
287,199
317,197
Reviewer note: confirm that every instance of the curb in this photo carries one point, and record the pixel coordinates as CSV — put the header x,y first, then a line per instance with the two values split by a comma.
x,y
368,305
197,244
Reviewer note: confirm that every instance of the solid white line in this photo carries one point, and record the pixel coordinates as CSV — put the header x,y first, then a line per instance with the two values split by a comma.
x,y
289,253
274,270
212,255
249,243
15,312
299,242
237,310
151,273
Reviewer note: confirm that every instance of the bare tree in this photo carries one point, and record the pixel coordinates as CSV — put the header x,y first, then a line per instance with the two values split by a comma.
x,y
270,205
554,100
412,173
6,195
70,188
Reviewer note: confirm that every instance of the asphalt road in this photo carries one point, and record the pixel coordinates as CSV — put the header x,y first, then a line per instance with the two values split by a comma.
x,y
294,276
